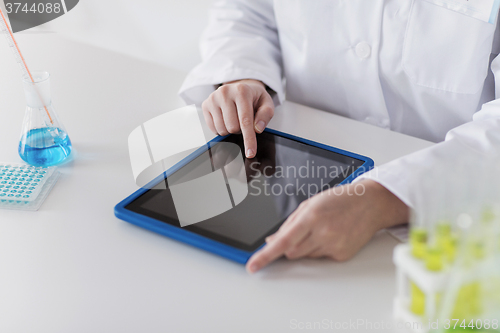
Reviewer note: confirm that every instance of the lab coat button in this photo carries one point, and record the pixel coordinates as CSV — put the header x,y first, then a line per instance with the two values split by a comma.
x,y
363,50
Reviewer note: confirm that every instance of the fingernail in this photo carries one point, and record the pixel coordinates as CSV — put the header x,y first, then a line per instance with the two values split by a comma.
x,y
249,153
260,126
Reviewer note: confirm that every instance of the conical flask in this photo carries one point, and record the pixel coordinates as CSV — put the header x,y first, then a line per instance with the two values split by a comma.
x,y
44,141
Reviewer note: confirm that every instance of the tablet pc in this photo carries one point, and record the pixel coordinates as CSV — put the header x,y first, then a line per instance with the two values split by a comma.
x,y
286,171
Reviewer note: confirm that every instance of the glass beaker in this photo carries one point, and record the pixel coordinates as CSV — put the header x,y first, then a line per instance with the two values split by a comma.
x,y
44,141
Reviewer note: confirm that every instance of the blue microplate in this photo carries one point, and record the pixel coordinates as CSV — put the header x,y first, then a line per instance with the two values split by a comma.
x,y
25,187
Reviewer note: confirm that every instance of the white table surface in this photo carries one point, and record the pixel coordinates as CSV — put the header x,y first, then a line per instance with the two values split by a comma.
x,y
73,267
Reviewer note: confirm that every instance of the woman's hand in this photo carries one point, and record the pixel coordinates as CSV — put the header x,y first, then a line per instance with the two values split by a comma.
x,y
240,106
335,223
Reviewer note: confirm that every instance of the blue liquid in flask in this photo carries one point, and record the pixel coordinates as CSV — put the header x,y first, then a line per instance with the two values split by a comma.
x,y
45,146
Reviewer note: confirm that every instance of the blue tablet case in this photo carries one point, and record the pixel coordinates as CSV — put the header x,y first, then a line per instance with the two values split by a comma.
x,y
202,242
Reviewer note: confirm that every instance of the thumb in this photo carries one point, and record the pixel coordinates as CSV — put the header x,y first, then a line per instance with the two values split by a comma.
x,y
264,113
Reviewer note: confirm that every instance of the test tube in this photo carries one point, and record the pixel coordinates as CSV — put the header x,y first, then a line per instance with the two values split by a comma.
x,y
419,232
468,300
438,226
419,217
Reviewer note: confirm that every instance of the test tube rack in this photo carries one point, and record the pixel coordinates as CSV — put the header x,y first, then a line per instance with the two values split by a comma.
x,y
411,270
435,286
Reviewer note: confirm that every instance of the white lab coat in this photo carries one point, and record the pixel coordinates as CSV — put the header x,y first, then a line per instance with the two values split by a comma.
x,y
407,65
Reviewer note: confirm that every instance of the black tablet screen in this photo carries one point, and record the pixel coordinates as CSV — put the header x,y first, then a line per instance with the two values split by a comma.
x,y
284,173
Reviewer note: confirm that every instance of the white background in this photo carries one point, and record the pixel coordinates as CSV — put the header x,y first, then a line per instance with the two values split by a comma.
x,y
162,31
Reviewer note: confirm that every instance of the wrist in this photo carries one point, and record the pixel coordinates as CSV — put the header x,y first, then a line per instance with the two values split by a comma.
x,y
247,81
388,209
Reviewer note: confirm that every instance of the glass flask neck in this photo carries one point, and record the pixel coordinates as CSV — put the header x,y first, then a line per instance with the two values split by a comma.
x,y
37,92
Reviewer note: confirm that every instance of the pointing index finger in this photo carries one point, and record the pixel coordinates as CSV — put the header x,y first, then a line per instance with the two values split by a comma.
x,y
275,249
246,116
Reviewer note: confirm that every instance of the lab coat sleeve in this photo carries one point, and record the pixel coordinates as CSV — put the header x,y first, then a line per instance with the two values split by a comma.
x,y
240,42
479,139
